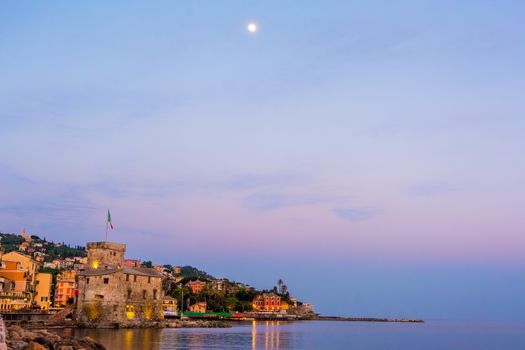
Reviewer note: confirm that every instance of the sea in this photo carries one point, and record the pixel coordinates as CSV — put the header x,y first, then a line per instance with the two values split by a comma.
x,y
433,334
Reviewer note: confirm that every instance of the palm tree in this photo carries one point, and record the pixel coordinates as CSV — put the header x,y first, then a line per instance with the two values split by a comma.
x,y
279,284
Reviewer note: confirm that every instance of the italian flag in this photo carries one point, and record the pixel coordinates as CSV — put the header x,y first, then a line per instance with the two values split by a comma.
x,y
110,224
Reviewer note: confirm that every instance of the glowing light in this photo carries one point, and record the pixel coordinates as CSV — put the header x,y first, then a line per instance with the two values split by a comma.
x,y
252,27
95,264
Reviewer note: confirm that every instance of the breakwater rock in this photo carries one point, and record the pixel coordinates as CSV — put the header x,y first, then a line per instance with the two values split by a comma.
x,y
19,338
368,319
197,324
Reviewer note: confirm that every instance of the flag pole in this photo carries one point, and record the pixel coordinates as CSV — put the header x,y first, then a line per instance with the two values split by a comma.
x,y
107,230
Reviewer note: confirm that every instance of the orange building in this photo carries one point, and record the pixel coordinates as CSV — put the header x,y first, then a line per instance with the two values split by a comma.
x,y
267,302
13,271
196,286
131,263
65,288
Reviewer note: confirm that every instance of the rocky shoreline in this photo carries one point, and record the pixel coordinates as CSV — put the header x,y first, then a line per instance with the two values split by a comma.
x,y
41,337
19,338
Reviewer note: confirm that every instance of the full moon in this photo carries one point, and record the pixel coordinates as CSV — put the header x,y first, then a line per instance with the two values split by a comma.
x,y
252,27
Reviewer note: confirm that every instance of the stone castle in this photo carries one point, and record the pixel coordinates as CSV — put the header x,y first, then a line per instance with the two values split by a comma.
x,y
111,294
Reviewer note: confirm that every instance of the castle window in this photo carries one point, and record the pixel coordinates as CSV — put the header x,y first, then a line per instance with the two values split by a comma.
x,y
144,292
87,280
106,280
127,277
149,279
134,278
99,296
130,312
129,293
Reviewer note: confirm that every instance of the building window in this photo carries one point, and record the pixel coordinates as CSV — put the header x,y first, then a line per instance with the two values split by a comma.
x,y
154,294
87,280
144,292
130,312
134,278
127,277
99,296
106,280
149,279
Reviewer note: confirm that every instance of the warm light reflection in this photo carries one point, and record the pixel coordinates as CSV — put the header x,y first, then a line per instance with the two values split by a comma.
x,y
128,338
95,264
254,335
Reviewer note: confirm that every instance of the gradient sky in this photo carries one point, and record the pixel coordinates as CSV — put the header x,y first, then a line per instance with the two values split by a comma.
x,y
369,153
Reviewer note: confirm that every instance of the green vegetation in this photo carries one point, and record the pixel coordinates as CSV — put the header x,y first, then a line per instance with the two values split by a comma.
x,y
11,242
193,273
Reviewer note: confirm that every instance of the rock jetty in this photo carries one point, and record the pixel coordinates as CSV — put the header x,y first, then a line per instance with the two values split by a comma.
x,y
197,324
19,338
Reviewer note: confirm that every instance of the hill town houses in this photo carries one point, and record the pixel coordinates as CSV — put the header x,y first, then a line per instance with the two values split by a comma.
x,y
106,289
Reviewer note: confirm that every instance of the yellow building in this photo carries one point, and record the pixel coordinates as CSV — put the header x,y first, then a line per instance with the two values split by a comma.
x,y
169,306
198,307
42,296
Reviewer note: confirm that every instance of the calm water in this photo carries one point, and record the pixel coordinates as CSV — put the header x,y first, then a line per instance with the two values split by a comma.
x,y
320,335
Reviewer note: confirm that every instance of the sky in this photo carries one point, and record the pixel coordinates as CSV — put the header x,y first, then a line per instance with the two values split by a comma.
x,y
368,153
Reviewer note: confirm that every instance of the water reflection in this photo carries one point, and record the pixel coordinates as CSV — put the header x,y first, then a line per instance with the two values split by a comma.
x,y
271,332
266,335
121,339
307,335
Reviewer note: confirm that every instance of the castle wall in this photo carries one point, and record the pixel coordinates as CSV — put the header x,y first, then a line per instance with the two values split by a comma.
x,y
105,254
112,295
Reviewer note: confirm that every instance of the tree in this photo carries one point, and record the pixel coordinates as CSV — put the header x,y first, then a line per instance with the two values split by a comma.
x,y
279,284
147,263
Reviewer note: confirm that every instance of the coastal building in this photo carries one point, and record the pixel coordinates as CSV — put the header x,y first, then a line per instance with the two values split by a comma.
x,y
26,262
131,263
267,302
42,297
111,293
196,286
218,285
13,271
13,287
65,289
169,306
198,307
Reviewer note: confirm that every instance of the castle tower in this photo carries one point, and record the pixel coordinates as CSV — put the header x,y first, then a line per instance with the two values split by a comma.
x,y
105,255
